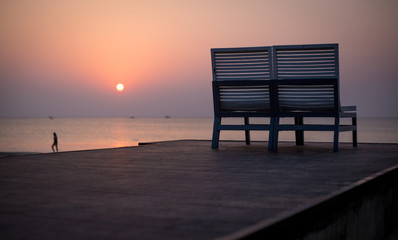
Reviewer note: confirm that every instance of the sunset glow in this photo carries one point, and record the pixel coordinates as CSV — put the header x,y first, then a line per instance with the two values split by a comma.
x,y
57,54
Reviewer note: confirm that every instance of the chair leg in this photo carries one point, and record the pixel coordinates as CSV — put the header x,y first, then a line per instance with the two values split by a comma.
x,y
336,134
354,133
299,133
247,132
216,133
271,134
275,134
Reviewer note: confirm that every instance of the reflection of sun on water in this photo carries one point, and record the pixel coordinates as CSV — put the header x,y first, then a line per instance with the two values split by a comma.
x,y
120,87
120,144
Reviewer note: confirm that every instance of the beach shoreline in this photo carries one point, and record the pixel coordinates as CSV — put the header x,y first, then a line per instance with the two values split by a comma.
x,y
10,154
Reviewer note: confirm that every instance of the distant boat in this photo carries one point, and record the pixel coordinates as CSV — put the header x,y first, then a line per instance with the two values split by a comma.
x,y
51,117
132,117
166,116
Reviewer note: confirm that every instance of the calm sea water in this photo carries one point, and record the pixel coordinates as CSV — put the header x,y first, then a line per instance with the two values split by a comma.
x,y
35,134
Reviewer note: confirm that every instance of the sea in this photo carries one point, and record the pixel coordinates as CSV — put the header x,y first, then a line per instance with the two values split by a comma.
x,y
35,135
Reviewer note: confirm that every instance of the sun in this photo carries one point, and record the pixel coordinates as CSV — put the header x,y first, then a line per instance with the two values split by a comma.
x,y
120,87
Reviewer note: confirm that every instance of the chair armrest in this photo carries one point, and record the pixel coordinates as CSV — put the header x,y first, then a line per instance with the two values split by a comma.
x,y
348,108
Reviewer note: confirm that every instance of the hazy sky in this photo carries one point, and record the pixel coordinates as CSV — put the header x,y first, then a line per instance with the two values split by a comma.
x,y
64,58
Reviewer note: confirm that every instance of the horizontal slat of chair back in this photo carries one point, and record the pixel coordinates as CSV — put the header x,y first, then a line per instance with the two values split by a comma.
x,y
306,61
307,95
242,64
306,98
244,98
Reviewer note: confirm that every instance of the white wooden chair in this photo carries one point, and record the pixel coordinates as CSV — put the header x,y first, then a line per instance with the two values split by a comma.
x,y
241,89
307,85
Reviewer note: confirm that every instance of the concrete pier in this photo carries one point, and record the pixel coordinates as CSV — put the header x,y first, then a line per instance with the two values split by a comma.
x,y
186,190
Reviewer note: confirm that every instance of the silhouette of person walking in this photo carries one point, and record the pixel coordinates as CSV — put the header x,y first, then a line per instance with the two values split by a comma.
x,y
55,143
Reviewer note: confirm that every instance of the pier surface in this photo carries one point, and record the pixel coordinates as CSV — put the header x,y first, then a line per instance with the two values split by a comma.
x,y
173,190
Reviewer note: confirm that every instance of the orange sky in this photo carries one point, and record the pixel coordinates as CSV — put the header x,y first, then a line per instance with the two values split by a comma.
x,y
64,58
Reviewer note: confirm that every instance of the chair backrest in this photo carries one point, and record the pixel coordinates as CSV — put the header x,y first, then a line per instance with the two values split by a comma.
x,y
307,78
241,79
306,96
251,63
306,61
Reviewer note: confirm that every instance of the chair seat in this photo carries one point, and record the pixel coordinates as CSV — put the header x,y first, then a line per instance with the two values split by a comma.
x,y
348,108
